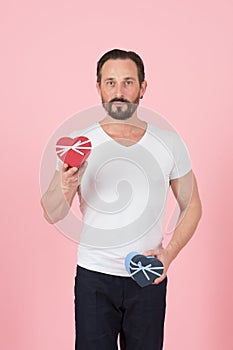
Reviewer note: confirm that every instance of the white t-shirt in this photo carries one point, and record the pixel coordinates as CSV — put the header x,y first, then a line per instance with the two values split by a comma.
x,y
123,195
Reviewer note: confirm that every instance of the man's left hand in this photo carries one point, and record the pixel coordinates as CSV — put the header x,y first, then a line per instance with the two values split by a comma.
x,y
164,256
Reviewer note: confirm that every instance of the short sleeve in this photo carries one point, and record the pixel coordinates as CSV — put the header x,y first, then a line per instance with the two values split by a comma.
x,y
181,158
58,163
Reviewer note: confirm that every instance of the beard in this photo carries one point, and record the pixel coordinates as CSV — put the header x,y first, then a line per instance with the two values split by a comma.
x,y
123,111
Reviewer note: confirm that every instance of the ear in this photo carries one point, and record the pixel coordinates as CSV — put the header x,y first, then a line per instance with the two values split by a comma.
x,y
143,88
98,87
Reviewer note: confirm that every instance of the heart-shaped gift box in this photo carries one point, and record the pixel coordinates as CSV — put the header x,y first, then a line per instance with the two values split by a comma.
x,y
143,269
73,151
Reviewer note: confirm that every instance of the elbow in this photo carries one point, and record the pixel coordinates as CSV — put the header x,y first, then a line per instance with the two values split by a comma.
x,y
49,219
54,215
200,210
197,207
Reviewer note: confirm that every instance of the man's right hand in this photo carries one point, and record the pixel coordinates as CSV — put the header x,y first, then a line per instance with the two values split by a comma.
x,y
58,198
71,179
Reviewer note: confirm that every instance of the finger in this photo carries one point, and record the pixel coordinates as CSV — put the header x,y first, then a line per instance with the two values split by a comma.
x,y
83,166
149,252
65,167
159,279
152,252
82,170
72,171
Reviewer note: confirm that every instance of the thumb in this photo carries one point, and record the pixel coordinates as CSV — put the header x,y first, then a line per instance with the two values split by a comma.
x,y
83,168
151,252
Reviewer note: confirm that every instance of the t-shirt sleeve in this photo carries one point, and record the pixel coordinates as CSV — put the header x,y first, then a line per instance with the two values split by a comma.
x,y
181,158
58,163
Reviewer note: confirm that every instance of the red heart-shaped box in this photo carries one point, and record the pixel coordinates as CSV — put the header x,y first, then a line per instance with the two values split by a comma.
x,y
73,151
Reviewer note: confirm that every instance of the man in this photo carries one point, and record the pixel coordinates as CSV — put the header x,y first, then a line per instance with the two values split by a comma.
x,y
108,302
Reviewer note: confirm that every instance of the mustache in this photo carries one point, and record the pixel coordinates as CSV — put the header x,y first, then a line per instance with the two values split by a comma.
x,y
119,100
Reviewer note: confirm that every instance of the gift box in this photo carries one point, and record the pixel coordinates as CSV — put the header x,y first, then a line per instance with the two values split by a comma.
x,y
143,269
73,151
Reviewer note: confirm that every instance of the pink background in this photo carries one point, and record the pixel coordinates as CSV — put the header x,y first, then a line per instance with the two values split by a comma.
x,y
49,51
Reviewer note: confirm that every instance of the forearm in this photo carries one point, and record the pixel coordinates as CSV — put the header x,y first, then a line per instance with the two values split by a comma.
x,y
185,229
56,204
190,205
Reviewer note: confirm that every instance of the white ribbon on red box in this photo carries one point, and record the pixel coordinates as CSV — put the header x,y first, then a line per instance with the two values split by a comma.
x,y
75,147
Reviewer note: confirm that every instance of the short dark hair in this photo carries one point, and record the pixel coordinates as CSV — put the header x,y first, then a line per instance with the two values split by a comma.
x,y
122,55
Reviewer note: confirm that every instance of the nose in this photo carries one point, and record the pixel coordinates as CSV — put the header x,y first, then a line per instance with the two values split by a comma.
x,y
119,91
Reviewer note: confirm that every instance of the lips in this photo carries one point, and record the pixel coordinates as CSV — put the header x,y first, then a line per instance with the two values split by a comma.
x,y
119,103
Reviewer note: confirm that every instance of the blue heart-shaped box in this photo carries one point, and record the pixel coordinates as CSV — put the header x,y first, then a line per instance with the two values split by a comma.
x,y
143,269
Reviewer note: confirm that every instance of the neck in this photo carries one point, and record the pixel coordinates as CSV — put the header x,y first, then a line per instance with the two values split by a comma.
x,y
132,127
118,125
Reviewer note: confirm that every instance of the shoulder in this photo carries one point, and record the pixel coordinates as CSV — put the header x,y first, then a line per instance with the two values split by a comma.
x,y
169,138
89,130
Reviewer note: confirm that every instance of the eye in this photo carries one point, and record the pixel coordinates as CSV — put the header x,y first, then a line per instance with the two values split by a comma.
x,y
129,82
110,83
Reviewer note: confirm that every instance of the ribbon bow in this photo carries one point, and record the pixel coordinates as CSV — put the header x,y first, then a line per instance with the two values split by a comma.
x,y
75,147
137,267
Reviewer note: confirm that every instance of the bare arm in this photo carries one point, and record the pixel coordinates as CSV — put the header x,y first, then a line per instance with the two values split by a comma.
x,y
59,196
186,192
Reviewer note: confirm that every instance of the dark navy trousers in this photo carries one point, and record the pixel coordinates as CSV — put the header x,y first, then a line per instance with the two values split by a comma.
x,y
107,305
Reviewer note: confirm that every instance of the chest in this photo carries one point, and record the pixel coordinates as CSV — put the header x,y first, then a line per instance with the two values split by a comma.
x,y
126,138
